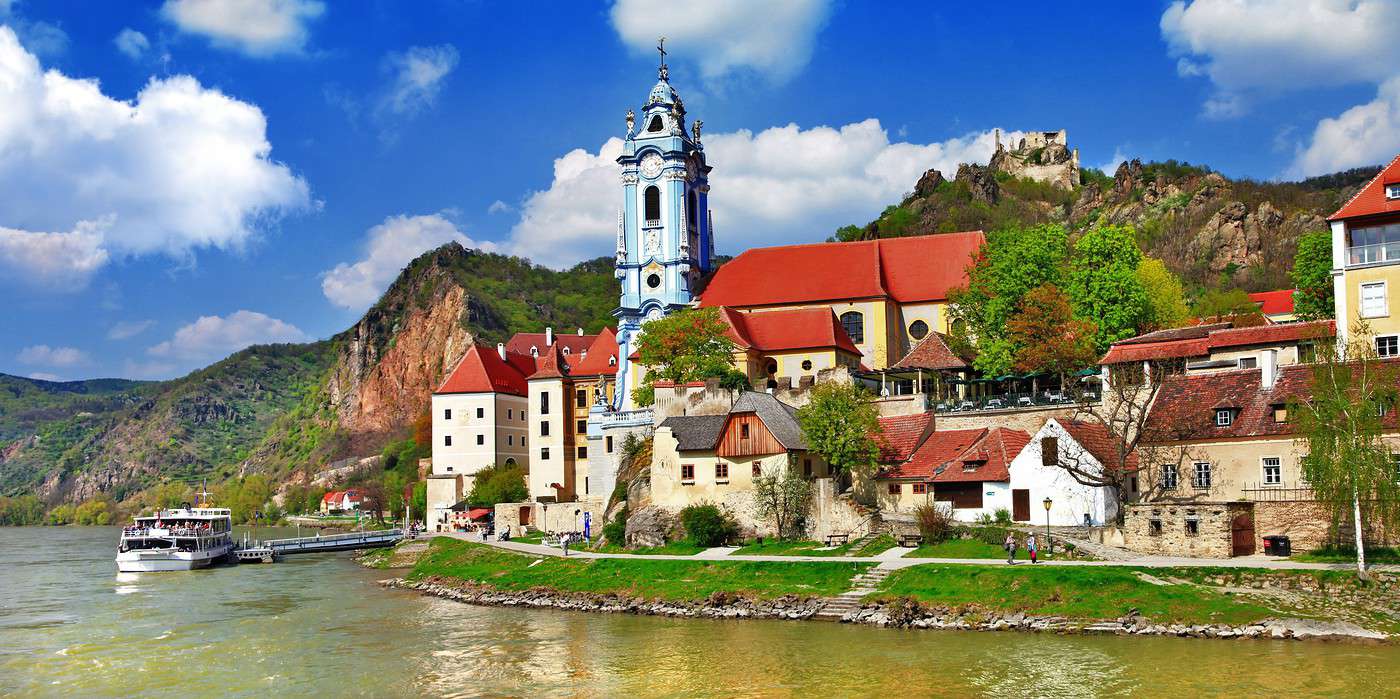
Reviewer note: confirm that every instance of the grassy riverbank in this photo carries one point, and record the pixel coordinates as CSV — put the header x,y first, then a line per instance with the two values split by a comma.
x,y
678,580
782,547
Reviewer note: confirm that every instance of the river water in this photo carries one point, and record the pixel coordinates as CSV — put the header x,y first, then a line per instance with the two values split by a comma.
x,y
318,625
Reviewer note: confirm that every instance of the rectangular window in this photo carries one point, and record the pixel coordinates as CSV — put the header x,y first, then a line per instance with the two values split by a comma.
x,y
1373,300
757,469
1224,416
522,440
895,489
544,402
544,453
1193,527
1392,191
447,414
1200,477
1307,352
581,398
510,413
582,452
447,440
1280,412
449,469
919,488
687,473
721,471
1273,470
1387,346
480,439
480,413
1050,451
607,441
744,430
1249,362
1154,527
510,440
581,426
1170,476
585,485
807,467
544,428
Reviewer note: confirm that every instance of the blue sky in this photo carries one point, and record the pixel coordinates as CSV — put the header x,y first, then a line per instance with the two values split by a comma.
x,y
186,177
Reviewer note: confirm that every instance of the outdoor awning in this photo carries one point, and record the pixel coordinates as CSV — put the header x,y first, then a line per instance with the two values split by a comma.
x,y
477,513
1088,372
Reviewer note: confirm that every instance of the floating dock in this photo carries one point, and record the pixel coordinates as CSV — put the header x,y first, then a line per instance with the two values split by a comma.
x,y
271,550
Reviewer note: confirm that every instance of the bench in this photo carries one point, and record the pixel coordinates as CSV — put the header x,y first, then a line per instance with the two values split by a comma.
x,y
835,539
911,540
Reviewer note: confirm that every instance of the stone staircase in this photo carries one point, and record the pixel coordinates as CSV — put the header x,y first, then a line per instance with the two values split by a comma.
x,y
860,543
836,608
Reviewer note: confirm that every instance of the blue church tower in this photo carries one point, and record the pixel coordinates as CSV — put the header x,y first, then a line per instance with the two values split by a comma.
x,y
664,239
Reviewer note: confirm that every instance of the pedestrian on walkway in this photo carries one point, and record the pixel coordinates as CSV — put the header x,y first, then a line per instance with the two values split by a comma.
x,y
1010,546
1031,547
564,544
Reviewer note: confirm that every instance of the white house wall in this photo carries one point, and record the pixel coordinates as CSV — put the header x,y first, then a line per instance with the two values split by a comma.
x,y
1070,499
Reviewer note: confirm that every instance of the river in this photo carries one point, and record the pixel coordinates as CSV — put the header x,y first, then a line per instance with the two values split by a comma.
x,y
318,625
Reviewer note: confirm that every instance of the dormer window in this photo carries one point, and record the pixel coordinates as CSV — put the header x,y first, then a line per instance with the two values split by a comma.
x,y
566,351
1280,412
970,466
1224,417
612,361
1392,191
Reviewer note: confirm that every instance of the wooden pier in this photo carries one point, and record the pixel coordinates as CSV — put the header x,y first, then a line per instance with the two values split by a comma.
x,y
269,551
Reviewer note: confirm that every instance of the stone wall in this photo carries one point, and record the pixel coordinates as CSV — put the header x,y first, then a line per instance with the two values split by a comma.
x,y
1029,420
1165,530
1304,522
549,516
830,512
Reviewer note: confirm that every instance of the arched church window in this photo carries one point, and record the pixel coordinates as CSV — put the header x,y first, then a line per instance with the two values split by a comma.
x,y
655,124
692,218
918,329
653,205
854,323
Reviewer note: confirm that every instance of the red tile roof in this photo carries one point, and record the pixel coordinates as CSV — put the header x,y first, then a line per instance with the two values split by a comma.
x,y
550,364
932,353
481,370
1272,303
952,456
599,358
901,434
523,342
907,270
1133,350
1370,199
791,329
1097,440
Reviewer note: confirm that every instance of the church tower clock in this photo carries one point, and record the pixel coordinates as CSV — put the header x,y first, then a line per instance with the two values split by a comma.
x,y
664,241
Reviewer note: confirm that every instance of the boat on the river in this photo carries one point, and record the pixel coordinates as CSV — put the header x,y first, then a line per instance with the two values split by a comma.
x,y
183,538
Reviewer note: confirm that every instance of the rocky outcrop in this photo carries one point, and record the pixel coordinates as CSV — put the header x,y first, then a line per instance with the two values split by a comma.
x,y
981,182
928,183
651,526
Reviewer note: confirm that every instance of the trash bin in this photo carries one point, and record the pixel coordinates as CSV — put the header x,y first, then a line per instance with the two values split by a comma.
x,y
1277,546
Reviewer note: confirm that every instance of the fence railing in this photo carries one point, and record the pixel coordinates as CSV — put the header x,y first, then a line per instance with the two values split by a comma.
x,y
1259,492
1012,401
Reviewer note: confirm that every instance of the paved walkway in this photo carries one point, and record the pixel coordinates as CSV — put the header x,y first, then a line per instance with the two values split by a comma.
x,y
896,558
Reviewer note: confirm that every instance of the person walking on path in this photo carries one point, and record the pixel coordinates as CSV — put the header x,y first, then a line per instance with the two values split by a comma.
x,y
1010,546
1031,547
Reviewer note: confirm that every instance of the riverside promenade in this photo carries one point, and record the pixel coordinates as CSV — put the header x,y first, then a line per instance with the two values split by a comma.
x,y
896,558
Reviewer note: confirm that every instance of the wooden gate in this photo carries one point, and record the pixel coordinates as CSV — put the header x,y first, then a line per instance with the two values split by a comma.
x,y
1021,505
1242,535
524,515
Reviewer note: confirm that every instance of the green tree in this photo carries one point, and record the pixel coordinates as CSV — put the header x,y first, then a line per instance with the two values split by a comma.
x,y
395,482
1341,421
1229,305
169,494
63,514
841,425
420,500
1166,301
498,483
312,503
1049,338
1104,285
781,497
22,510
93,513
688,345
1009,265
1312,276
707,525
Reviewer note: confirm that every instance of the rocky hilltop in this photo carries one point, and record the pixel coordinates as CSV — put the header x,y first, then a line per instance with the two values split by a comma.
x,y
1209,229
287,410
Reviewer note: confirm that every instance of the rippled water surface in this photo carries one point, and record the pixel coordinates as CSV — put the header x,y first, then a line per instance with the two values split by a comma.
x,y
318,625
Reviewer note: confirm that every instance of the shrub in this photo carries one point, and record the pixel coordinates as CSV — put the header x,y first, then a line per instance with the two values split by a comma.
x,y
935,523
615,532
707,525
1003,516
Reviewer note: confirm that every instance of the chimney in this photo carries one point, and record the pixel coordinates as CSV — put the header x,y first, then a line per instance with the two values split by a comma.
x,y
1268,366
501,350
549,337
580,332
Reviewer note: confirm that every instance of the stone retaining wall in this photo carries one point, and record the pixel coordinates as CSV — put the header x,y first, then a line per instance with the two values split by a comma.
x,y
1165,529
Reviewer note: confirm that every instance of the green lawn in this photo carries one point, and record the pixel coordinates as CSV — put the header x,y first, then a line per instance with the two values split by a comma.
x,y
777,547
1333,554
961,548
1077,593
674,548
676,580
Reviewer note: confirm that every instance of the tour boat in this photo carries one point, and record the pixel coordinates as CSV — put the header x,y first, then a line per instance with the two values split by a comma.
x,y
184,538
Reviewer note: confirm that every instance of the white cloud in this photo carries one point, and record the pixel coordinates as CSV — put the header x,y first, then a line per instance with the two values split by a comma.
x,y
131,42
61,262
44,355
45,376
180,168
1250,48
499,207
214,337
418,74
1111,167
724,37
41,38
784,184
255,27
388,248
1367,134
127,329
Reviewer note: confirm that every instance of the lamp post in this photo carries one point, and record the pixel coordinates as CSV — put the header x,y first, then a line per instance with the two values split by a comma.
x,y
1049,545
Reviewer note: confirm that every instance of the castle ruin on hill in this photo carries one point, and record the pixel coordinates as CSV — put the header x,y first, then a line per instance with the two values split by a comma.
x,y
1043,156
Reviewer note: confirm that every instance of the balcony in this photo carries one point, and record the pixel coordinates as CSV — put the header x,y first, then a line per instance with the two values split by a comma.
x,y
1373,254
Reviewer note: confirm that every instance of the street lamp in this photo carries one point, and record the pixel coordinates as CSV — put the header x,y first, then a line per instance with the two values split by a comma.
x,y
1049,545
